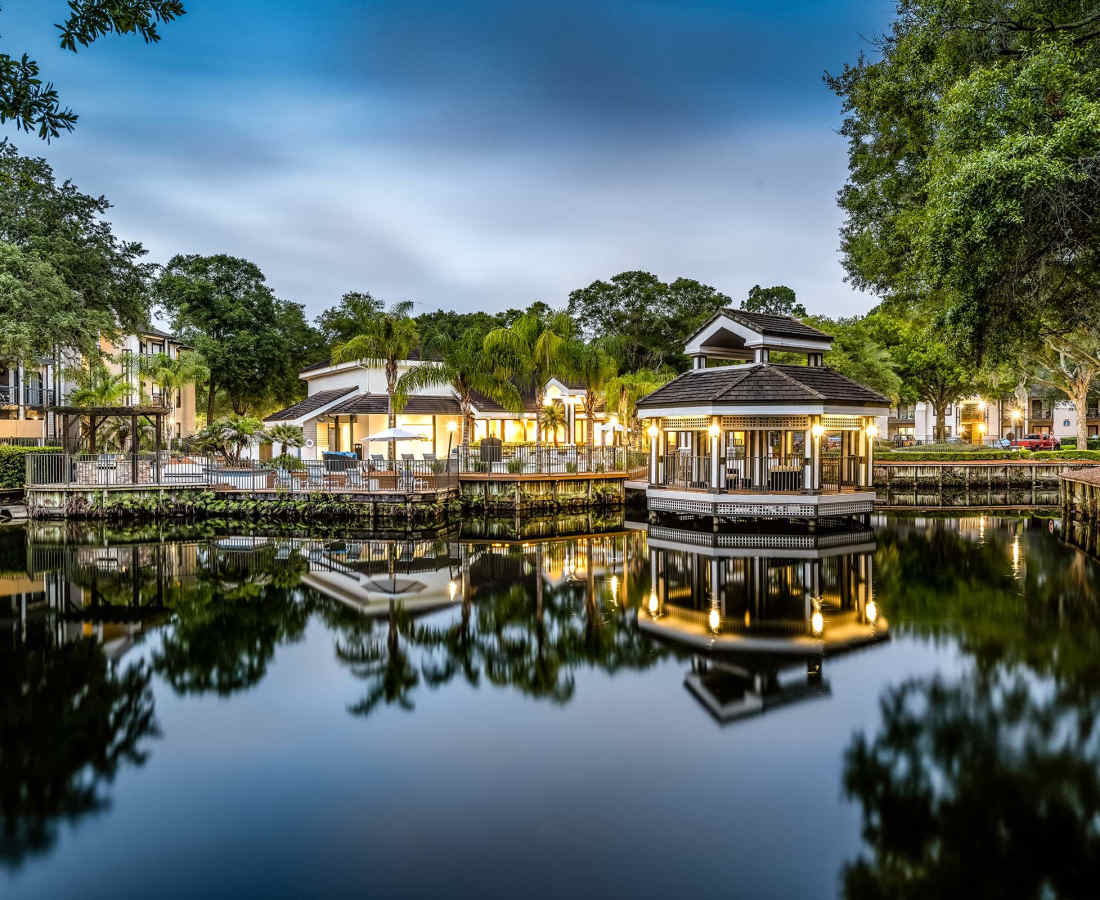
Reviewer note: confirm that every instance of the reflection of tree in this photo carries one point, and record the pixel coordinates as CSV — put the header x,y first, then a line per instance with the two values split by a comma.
x,y
227,623
518,630
70,717
977,789
383,664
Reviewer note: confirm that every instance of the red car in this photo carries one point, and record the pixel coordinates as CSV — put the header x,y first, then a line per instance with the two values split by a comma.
x,y
1038,442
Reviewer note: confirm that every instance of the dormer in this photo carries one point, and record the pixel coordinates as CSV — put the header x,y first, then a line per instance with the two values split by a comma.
x,y
740,336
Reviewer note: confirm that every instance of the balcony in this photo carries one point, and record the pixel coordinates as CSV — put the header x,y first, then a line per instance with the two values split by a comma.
x,y
31,395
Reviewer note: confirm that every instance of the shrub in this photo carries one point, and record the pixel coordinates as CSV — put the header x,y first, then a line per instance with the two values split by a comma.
x,y
515,465
13,465
1070,443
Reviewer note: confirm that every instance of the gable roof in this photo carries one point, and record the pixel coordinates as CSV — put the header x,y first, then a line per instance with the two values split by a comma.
x,y
761,383
304,407
415,355
418,404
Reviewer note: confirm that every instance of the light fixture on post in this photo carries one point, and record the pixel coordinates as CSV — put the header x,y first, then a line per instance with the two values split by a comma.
x,y
817,430
652,431
713,429
714,619
872,431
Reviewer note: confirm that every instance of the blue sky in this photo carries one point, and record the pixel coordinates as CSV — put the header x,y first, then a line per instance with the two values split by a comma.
x,y
470,155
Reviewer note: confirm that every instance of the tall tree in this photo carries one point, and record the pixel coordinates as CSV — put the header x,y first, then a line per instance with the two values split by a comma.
x,y
972,151
856,354
61,227
777,300
348,318
589,365
643,319
529,349
33,105
1070,363
387,340
468,369
222,307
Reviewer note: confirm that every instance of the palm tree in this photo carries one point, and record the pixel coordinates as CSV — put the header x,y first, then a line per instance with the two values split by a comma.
x,y
467,367
96,385
624,391
229,437
553,418
285,435
591,366
387,340
529,349
172,375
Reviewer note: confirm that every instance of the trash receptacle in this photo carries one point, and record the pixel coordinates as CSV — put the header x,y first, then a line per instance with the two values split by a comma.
x,y
492,450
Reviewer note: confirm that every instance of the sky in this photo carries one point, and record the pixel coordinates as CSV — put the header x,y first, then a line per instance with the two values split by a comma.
x,y
470,156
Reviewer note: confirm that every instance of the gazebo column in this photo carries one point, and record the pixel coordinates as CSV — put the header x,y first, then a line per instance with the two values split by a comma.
x,y
715,432
869,458
815,472
807,460
862,452
845,452
654,432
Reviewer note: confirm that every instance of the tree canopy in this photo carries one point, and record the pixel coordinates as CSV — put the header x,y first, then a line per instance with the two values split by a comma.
x,y
33,104
973,147
777,300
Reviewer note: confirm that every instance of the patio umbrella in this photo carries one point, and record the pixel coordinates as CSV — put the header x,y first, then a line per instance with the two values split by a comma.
x,y
392,436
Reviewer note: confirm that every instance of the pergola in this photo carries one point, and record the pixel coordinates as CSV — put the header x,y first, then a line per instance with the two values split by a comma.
x,y
97,415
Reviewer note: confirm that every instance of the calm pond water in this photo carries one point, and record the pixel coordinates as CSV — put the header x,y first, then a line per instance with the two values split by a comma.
x,y
909,710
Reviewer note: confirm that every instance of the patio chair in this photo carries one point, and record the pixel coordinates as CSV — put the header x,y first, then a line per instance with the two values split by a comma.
x,y
408,457
429,457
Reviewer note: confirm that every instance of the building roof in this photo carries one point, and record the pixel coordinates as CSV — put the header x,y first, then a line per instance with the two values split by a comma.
x,y
310,404
150,331
419,404
780,326
761,383
485,404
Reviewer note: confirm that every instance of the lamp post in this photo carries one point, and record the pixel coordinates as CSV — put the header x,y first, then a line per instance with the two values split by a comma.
x,y
1016,416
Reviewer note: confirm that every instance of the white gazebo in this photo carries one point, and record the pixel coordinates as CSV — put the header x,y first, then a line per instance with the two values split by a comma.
x,y
753,438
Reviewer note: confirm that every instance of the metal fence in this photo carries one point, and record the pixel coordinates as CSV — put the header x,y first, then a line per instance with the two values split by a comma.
x,y
107,469
537,459
26,395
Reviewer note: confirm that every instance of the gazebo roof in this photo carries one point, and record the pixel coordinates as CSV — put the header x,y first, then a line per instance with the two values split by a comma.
x,y
780,326
763,384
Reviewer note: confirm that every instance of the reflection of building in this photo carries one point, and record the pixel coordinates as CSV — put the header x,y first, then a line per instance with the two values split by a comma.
x,y
758,607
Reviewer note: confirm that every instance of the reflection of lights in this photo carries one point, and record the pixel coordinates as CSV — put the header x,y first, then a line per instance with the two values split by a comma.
x,y
748,619
817,430
652,430
872,611
714,619
981,428
817,622
1016,555
653,603
981,528
452,588
872,431
614,585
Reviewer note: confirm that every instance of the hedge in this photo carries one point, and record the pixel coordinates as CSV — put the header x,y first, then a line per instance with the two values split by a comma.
x,y
916,457
13,465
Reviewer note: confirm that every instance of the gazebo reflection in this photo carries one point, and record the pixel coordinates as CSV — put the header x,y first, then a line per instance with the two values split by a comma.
x,y
761,612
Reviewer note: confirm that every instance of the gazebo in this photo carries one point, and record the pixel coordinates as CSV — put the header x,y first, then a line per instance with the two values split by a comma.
x,y
752,437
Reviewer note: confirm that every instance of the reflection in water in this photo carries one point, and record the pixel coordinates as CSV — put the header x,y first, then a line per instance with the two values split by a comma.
x,y
988,783
982,770
761,610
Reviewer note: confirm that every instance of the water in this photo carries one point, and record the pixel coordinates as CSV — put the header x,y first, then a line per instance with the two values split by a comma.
x,y
219,714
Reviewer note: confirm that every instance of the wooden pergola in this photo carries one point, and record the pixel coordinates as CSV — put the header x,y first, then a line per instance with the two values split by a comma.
x,y
96,415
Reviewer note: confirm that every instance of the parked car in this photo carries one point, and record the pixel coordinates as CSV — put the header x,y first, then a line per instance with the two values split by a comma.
x,y
1037,442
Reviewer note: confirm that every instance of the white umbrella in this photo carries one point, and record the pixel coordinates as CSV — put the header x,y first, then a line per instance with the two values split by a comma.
x,y
393,434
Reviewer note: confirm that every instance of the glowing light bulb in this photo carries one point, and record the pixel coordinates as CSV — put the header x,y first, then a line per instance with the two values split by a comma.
x,y
817,430
614,585
872,431
817,622
713,429
652,431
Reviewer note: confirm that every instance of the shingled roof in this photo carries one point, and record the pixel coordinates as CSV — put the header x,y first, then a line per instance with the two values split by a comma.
x,y
762,383
780,326
418,404
310,404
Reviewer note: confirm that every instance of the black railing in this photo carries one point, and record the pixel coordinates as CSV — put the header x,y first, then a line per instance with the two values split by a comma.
x,y
755,474
532,459
32,395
